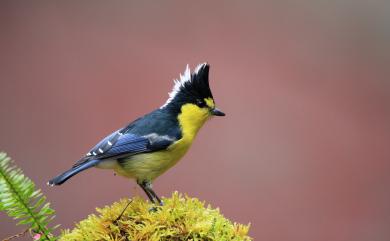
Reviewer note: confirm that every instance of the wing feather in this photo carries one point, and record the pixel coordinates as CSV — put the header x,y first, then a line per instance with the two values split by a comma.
x,y
118,144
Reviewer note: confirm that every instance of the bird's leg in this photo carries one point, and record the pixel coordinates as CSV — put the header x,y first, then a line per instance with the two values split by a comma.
x,y
142,184
147,187
155,196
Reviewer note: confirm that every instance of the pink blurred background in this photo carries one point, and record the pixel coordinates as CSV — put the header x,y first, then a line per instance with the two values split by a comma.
x,y
303,153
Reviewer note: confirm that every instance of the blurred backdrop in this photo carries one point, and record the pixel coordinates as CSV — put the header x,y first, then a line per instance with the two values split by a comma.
x,y
303,153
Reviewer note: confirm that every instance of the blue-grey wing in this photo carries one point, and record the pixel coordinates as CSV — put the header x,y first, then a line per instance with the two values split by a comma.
x,y
105,144
117,143
120,143
129,144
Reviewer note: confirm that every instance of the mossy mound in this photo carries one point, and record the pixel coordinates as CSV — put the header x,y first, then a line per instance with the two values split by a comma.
x,y
181,218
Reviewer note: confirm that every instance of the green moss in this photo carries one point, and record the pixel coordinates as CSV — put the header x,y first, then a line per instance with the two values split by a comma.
x,y
181,218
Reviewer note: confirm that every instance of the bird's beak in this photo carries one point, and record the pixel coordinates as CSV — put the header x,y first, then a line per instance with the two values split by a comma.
x,y
217,112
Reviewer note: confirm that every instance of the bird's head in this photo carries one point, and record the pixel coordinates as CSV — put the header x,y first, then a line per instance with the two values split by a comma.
x,y
191,95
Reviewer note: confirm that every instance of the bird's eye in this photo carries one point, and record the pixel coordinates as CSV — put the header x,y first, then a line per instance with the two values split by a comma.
x,y
200,103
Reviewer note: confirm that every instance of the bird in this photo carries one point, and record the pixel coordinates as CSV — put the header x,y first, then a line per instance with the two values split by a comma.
x,y
150,145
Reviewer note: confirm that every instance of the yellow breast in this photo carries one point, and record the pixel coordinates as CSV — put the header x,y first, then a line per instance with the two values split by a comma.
x,y
148,166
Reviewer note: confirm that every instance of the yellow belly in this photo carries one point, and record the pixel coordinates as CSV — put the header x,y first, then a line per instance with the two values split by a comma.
x,y
148,166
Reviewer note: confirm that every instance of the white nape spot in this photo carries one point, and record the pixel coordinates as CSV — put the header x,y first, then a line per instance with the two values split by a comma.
x,y
178,84
94,153
88,154
109,143
100,150
120,133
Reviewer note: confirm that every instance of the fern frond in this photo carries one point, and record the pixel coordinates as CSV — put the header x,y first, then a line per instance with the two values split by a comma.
x,y
20,199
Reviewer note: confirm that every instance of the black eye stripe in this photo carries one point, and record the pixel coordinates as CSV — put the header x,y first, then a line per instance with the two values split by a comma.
x,y
200,103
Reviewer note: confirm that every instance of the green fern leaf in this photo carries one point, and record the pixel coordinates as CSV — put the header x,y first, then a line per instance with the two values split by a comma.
x,y
20,199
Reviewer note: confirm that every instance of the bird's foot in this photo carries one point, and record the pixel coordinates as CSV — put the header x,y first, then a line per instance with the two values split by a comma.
x,y
155,208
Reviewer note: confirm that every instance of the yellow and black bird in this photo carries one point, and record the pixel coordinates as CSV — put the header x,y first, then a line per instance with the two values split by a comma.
x,y
150,145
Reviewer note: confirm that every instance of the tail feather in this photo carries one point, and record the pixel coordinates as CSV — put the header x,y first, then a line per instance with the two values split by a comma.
x,y
58,180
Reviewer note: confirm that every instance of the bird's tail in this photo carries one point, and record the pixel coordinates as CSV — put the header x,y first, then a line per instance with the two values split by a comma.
x,y
58,180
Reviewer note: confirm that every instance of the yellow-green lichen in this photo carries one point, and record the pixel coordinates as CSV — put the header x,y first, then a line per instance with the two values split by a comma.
x,y
181,218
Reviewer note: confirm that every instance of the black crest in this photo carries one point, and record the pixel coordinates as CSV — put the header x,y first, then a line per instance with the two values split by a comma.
x,y
191,88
